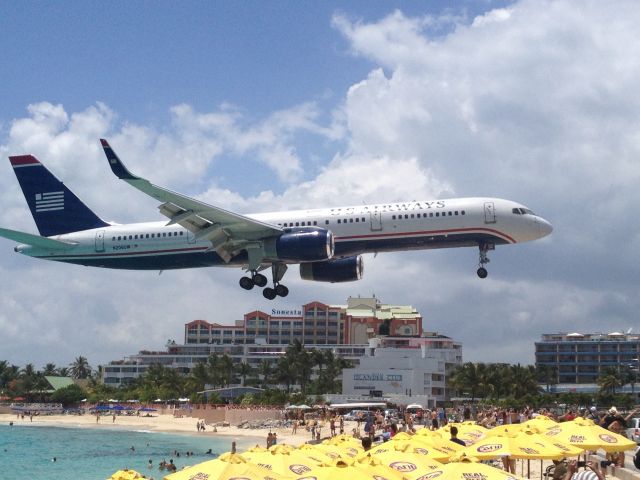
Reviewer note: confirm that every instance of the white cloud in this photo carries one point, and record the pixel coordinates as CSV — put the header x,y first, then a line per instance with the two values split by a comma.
x,y
537,103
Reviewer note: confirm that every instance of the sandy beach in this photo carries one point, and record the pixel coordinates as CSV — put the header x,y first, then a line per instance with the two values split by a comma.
x,y
160,423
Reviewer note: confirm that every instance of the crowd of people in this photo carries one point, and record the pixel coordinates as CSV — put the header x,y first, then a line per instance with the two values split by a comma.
x,y
380,426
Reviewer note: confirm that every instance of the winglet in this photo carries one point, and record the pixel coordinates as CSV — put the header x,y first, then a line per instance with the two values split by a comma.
x,y
115,163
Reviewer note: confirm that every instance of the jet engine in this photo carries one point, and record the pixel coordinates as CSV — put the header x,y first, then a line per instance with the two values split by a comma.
x,y
304,244
337,270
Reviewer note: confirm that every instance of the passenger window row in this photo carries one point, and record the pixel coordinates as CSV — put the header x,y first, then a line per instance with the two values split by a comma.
x,y
429,215
147,235
363,219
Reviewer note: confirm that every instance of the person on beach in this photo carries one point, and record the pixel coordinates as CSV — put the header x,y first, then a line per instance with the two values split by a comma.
x,y
233,447
591,472
295,427
454,436
366,443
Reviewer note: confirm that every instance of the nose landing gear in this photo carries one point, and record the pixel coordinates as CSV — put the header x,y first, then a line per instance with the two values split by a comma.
x,y
483,249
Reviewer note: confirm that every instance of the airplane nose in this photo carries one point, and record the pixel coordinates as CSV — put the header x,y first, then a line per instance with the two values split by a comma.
x,y
544,227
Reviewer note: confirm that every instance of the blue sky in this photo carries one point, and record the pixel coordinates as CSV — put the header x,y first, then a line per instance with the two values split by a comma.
x,y
258,106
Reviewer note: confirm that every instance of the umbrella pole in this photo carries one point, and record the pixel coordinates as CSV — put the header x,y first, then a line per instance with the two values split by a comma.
x,y
528,468
540,469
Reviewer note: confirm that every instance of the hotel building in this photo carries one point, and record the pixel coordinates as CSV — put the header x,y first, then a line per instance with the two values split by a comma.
x,y
576,358
353,331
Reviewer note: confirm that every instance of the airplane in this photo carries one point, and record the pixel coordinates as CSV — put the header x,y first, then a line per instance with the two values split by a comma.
x,y
326,243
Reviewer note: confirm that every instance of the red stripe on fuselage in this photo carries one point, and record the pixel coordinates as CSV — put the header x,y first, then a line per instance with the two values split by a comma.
x,y
20,160
427,233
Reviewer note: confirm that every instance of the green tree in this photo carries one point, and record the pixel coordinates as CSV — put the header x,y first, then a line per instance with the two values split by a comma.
x,y
244,370
68,395
80,368
50,369
265,371
198,378
610,380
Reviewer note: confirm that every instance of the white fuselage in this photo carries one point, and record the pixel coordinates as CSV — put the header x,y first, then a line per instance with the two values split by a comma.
x,y
457,222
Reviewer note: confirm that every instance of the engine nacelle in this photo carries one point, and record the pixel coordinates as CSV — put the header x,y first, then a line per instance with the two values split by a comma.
x,y
338,270
304,244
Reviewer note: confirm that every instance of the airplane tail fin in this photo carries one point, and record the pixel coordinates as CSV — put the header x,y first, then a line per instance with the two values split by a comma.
x,y
55,208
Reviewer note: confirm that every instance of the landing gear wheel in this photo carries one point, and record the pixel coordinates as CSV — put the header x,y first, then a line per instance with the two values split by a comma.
x,y
281,290
260,280
246,283
482,272
269,293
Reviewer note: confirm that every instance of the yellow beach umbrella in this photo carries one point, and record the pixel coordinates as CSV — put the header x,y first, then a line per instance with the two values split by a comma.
x,y
489,448
374,466
346,469
504,431
221,470
282,448
321,456
465,471
439,442
546,444
425,447
406,461
540,423
334,452
285,462
469,432
257,448
589,436
519,445
413,446
343,438
126,474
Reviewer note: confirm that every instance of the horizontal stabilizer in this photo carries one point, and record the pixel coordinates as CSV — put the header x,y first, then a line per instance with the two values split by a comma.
x,y
34,240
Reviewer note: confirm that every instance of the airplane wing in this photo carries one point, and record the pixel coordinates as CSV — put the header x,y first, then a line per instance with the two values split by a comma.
x,y
35,240
228,232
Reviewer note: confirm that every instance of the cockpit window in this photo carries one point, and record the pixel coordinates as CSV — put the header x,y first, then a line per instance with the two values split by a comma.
x,y
522,211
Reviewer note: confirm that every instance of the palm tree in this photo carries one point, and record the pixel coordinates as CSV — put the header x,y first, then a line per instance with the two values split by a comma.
x,y
467,379
286,371
80,368
7,373
610,380
264,369
198,377
216,377
50,369
244,369
226,367
522,381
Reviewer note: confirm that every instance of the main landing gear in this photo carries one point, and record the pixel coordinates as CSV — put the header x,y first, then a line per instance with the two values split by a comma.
x,y
484,248
259,280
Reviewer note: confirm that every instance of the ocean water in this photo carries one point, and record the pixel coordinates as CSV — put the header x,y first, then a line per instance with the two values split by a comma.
x,y
26,452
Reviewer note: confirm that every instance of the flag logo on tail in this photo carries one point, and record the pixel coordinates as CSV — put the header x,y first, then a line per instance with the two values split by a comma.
x,y
49,201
